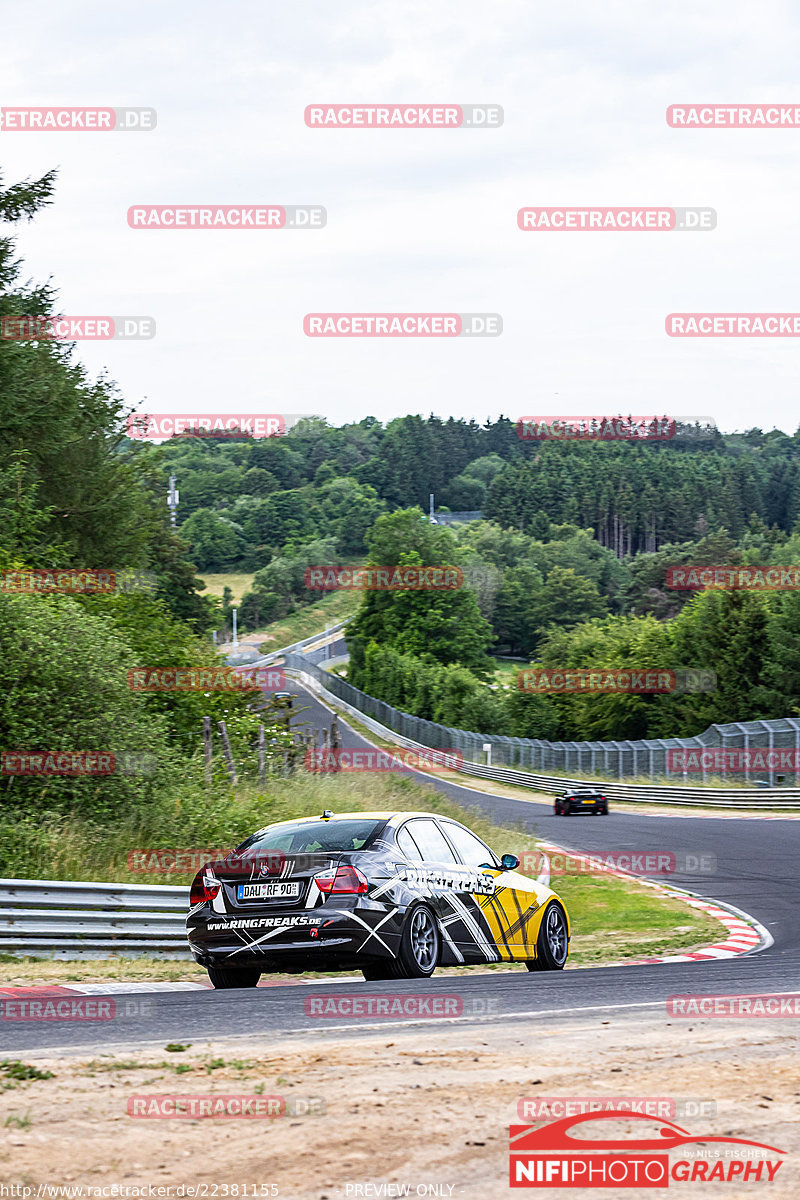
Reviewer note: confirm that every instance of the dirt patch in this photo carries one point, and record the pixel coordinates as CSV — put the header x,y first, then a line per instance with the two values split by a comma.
x,y
421,1106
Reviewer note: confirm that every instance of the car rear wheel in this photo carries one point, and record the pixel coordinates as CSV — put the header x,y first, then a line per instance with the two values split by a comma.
x,y
420,945
552,945
222,977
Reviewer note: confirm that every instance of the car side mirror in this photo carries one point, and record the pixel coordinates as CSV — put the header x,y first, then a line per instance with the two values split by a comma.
x,y
509,862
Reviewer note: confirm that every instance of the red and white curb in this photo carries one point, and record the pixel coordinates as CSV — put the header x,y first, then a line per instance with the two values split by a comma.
x,y
48,992
53,991
745,933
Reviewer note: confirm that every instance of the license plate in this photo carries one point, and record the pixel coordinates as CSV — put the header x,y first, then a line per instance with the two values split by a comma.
x,y
267,891
587,801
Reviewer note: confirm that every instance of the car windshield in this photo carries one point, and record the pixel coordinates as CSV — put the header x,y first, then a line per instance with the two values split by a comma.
x,y
310,836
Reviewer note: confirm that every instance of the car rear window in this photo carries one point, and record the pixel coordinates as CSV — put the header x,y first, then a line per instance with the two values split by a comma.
x,y
310,836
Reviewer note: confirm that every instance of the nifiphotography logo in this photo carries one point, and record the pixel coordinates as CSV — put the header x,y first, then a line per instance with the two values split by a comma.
x,y
551,1156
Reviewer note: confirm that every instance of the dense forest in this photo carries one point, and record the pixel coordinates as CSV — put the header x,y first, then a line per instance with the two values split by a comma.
x,y
242,501
568,603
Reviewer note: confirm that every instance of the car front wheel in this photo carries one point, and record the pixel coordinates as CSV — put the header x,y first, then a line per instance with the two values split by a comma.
x,y
223,977
552,944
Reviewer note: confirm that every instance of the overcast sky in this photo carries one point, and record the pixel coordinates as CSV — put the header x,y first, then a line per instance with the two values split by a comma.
x,y
418,220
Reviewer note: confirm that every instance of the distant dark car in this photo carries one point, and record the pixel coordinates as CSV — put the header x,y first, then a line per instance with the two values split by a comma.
x,y
580,802
283,699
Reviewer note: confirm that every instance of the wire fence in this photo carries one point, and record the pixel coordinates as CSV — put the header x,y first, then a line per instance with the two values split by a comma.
x,y
764,753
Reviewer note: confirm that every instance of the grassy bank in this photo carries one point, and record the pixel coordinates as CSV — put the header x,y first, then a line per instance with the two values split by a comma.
x,y
612,919
331,609
238,581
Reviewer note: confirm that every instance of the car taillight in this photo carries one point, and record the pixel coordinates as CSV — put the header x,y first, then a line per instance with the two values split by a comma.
x,y
342,880
204,887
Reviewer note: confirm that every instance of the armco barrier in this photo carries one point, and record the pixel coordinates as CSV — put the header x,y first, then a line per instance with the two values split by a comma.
x,y
307,646
331,688
51,919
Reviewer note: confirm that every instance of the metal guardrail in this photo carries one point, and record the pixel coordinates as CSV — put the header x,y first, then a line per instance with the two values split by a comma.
x,y
785,799
774,741
298,647
52,919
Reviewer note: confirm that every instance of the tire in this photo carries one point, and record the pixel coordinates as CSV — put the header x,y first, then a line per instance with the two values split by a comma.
x,y
552,945
603,812
246,977
420,945
566,810
556,810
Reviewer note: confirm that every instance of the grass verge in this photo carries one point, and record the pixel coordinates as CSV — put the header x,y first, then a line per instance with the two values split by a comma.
x,y
331,609
238,581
